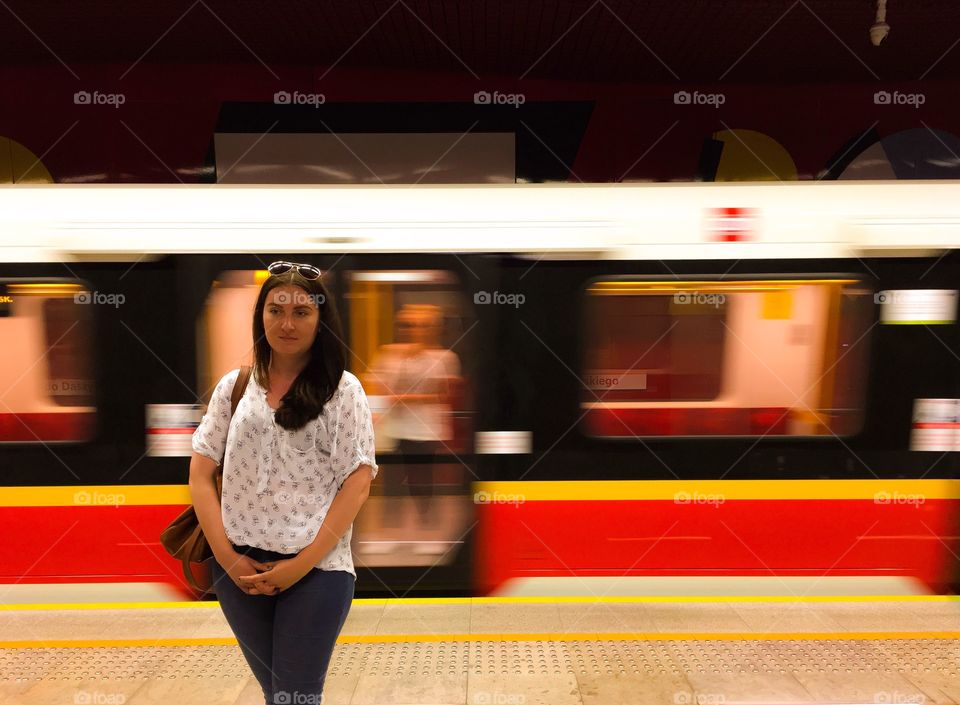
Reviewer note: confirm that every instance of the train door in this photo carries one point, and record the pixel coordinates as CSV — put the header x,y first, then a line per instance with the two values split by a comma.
x,y
412,338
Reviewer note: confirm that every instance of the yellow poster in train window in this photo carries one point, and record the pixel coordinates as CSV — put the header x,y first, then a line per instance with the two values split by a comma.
x,y
777,305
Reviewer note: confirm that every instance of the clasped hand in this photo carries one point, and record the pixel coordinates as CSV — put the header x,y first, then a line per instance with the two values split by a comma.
x,y
279,576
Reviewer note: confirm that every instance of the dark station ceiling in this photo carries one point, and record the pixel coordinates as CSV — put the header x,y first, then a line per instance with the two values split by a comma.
x,y
657,41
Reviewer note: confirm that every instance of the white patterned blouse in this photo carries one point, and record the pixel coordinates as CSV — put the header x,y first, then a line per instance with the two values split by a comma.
x,y
277,484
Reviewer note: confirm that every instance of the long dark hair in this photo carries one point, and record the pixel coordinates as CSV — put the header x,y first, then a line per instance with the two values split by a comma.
x,y
317,382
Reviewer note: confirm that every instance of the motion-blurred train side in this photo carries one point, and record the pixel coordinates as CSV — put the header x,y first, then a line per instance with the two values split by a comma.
x,y
696,388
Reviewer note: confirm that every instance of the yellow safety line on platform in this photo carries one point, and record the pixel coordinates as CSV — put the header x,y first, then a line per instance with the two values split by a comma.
x,y
518,600
505,637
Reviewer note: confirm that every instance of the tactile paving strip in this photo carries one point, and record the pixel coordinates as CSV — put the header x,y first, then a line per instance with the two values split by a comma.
x,y
125,663
912,656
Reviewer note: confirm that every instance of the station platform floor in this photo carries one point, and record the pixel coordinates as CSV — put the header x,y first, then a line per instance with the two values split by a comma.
x,y
507,651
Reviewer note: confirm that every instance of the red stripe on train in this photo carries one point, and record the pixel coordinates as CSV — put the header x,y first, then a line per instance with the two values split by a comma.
x,y
47,427
703,536
93,544
686,421
733,538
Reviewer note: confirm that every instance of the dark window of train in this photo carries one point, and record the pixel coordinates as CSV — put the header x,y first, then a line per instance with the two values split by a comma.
x,y
776,357
68,344
46,381
654,347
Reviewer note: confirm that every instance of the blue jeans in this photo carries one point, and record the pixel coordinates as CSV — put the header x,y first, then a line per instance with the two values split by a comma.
x,y
287,638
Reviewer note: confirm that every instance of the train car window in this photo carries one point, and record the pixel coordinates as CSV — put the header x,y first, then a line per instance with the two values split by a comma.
x,y
773,357
403,328
407,332
225,336
46,381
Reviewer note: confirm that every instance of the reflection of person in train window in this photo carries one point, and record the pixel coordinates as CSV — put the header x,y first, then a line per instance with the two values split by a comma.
x,y
297,465
415,374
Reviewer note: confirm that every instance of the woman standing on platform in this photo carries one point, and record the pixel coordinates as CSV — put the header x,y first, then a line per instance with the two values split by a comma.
x,y
297,466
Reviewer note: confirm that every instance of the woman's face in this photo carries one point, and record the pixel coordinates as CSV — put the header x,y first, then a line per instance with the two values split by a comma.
x,y
413,327
291,319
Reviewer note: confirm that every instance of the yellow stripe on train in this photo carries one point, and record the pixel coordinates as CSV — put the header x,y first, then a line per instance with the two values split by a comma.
x,y
677,490
880,491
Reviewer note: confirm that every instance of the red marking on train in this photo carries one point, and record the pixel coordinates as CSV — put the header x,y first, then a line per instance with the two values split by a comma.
x,y
707,535
731,224
32,427
820,537
611,421
88,544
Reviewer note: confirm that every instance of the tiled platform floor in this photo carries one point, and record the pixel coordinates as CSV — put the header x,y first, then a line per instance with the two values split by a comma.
x,y
509,651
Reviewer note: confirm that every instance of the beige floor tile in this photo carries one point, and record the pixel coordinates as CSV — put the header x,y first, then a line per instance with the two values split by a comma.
x,y
747,688
336,691
11,690
193,691
696,617
252,694
861,687
935,616
363,620
35,625
606,617
940,688
22,665
102,624
937,623
871,616
61,692
339,690
493,658
622,689
214,626
785,617
949,603
514,618
528,690
920,655
424,619
165,623
410,690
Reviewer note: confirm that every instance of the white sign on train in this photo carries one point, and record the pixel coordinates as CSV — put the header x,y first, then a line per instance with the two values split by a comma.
x,y
170,429
503,442
917,306
936,425
70,387
615,379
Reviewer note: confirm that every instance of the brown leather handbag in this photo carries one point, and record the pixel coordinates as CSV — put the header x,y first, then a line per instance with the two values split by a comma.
x,y
183,538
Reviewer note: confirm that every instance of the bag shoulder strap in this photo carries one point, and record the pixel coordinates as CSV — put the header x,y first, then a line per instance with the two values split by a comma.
x,y
238,388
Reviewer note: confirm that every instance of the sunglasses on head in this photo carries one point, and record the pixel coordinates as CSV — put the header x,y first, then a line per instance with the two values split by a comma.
x,y
307,271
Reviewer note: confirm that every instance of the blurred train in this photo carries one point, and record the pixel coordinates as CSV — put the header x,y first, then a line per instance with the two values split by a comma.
x,y
658,389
